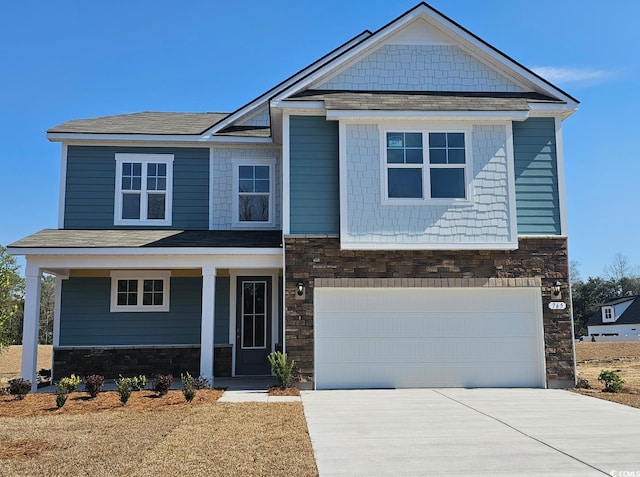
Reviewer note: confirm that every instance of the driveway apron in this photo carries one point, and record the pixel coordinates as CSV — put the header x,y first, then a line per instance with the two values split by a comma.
x,y
470,432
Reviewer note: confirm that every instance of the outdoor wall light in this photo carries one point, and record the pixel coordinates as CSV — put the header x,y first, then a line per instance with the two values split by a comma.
x,y
556,289
300,288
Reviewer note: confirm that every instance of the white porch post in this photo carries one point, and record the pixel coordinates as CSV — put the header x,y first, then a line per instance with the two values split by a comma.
x,y
208,317
31,325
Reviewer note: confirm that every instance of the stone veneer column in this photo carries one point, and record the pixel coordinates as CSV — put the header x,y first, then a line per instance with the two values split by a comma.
x,y
544,259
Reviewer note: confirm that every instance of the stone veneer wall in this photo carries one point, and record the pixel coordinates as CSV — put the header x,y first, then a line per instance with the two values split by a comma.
x,y
111,362
543,259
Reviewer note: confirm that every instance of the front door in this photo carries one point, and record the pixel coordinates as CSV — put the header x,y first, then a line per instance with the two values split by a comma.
x,y
253,325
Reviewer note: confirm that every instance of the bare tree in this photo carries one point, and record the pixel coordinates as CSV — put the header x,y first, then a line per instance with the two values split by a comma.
x,y
574,271
620,268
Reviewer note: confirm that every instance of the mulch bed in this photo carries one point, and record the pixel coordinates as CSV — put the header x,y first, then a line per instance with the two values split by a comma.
x,y
276,391
39,404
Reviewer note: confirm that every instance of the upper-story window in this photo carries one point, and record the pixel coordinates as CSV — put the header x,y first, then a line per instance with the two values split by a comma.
x,y
143,189
608,314
425,165
253,200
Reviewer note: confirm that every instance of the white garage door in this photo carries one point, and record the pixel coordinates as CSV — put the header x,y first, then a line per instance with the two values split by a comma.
x,y
428,337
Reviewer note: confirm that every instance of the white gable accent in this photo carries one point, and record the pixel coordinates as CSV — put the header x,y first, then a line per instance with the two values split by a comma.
x,y
423,67
259,118
419,32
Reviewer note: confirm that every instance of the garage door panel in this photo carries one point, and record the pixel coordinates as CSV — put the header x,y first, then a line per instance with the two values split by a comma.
x,y
444,375
425,351
426,323
428,338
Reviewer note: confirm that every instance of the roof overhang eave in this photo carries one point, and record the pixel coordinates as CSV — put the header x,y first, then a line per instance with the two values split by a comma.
x,y
181,138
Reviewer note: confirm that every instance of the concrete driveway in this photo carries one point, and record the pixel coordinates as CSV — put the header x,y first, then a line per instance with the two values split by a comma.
x,y
470,432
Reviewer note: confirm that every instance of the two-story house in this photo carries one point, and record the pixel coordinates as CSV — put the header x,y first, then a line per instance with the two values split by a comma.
x,y
393,215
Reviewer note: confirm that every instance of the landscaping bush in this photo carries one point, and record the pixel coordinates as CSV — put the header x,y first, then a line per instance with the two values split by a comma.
x,y
62,392
612,381
282,368
69,383
125,388
93,384
138,383
188,386
202,383
19,387
162,383
582,383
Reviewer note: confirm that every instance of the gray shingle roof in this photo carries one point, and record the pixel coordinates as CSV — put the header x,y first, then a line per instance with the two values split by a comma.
x,y
630,316
143,123
51,238
421,100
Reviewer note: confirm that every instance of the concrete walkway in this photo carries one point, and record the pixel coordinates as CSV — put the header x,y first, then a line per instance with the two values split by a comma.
x,y
471,432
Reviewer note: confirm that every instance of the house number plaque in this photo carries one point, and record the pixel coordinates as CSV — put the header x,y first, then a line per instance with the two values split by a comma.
x,y
557,305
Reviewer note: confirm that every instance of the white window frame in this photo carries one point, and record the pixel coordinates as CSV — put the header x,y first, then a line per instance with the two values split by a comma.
x,y
426,165
144,159
236,163
140,276
608,319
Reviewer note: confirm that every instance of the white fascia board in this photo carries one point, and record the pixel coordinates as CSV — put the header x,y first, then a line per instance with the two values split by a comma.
x,y
154,138
295,105
498,57
428,246
507,65
151,262
338,114
260,100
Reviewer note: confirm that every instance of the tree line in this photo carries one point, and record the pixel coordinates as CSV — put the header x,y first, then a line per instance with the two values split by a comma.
x,y
12,303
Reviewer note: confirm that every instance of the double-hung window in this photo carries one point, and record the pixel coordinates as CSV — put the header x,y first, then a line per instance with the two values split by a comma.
x,y
253,199
143,189
425,165
139,291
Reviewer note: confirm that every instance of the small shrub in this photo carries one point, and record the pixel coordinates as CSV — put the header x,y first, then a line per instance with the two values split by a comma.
x,y
138,383
282,368
188,386
162,383
19,387
582,383
62,392
70,383
612,381
124,388
61,399
93,384
202,383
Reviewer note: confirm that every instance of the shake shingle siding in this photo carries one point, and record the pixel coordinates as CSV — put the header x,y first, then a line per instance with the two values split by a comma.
x,y
90,186
536,173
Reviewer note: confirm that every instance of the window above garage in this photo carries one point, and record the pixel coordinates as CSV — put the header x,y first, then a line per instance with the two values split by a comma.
x,y
421,166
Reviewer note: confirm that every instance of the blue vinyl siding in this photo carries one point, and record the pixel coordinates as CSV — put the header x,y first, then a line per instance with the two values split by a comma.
x,y
85,319
90,186
221,332
536,173
314,167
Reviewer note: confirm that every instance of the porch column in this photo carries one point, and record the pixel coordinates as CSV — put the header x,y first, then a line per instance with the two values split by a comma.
x,y
31,325
208,317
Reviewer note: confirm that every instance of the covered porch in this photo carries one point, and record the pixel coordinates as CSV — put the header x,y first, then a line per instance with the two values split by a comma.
x,y
214,308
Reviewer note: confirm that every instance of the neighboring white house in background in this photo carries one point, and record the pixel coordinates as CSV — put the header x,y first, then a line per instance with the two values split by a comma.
x,y
616,317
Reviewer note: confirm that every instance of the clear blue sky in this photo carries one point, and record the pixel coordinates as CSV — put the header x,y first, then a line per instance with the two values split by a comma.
x,y
76,59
